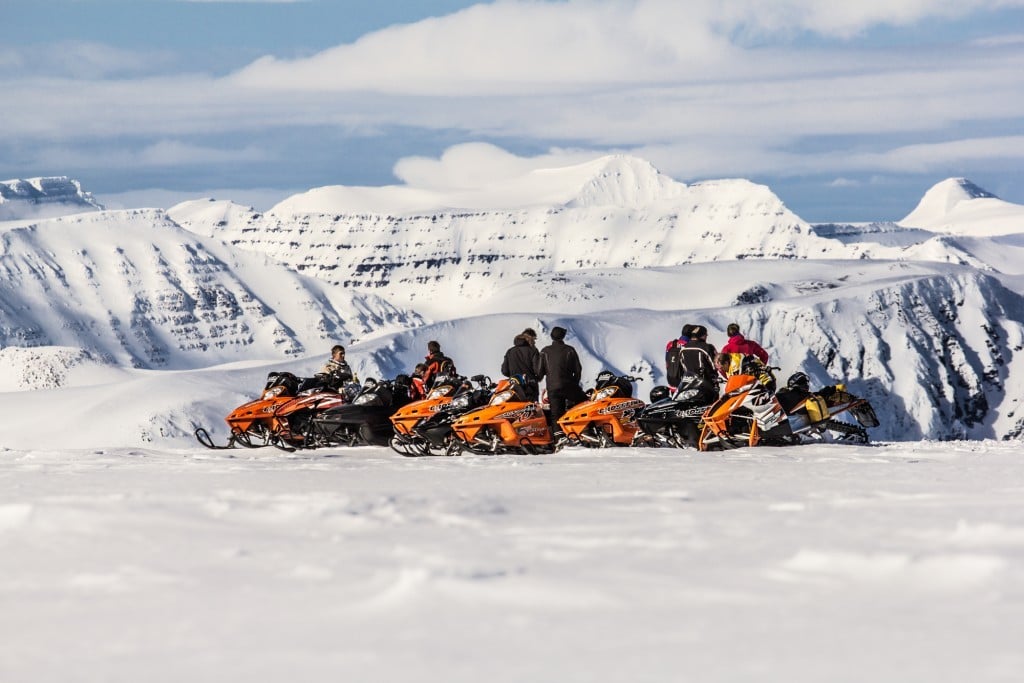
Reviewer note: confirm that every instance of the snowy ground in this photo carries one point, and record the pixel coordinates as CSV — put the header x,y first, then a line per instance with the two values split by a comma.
x,y
903,562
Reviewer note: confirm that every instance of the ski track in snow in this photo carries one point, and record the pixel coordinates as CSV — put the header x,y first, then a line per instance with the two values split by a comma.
x,y
896,562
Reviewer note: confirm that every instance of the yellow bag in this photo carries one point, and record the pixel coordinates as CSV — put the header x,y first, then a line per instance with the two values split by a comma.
x,y
817,409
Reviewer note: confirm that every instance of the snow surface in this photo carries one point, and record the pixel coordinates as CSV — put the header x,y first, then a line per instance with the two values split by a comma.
x,y
901,562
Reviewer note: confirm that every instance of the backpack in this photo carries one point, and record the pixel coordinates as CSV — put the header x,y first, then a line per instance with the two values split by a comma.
x,y
673,362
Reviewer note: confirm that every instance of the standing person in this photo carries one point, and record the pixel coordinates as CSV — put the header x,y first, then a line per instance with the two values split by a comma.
x,y
739,344
437,364
337,368
560,364
522,359
698,358
673,361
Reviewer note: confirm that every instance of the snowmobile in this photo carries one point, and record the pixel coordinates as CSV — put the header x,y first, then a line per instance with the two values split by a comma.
x,y
253,424
409,415
425,427
293,426
509,423
608,418
366,419
673,419
749,414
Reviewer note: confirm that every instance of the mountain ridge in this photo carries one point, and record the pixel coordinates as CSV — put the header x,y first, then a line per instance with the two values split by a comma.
x,y
44,197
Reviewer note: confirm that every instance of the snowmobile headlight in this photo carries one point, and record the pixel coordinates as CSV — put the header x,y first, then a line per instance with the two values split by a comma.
x,y
460,402
363,399
498,399
273,391
438,392
687,395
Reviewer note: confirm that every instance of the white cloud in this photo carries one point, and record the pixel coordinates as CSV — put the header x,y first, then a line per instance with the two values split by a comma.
x,y
518,47
677,83
474,165
926,157
843,19
509,48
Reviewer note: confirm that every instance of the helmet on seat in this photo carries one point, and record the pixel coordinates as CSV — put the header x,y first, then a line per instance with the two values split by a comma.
x,y
799,381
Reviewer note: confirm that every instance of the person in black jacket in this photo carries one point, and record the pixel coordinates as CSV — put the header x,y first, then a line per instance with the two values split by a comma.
x,y
521,361
560,364
697,357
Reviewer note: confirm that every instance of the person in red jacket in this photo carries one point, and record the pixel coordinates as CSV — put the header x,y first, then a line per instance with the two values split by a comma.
x,y
738,344
437,364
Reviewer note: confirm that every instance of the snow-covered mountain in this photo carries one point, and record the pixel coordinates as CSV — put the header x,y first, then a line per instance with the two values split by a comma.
x,y
959,207
928,325
133,289
35,198
616,213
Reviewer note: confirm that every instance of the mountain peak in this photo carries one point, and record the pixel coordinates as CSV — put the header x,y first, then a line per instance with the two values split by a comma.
x,y
625,181
958,206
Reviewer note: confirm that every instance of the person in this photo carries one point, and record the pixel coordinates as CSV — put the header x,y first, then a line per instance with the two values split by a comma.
x,y
521,362
691,354
418,390
673,369
697,357
560,364
732,364
437,364
797,390
337,369
739,344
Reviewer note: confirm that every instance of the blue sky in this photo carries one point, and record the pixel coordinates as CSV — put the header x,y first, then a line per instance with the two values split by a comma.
x,y
848,111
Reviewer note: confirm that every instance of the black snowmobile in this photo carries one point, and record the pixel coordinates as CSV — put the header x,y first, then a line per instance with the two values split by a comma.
x,y
433,435
674,419
364,421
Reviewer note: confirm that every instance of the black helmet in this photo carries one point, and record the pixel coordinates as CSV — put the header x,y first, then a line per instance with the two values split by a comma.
x,y
658,393
799,380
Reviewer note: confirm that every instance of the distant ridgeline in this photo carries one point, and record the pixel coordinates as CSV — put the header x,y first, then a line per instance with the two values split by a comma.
x,y
623,214
43,197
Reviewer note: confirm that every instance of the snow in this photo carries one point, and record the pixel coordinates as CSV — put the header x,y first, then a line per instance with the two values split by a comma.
x,y
891,563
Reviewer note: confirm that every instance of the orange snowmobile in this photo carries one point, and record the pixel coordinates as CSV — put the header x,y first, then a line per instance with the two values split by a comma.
x,y
409,421
749,414
252,424
411,414
509,423
608,418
